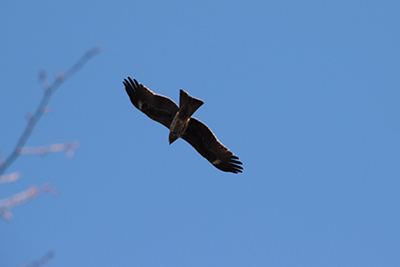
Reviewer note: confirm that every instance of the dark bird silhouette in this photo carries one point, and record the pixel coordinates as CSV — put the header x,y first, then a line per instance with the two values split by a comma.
x,y
181,124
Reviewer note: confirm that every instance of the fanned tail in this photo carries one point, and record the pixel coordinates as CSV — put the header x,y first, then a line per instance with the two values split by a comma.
x,y
188,104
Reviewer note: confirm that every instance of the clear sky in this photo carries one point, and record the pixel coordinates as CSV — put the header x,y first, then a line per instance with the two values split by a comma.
x,y
306,93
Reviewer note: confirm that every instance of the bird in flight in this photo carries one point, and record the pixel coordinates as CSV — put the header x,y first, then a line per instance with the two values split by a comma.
x,y
179,120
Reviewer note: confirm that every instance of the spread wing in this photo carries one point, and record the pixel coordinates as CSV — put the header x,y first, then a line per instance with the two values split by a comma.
x,y
204,141
157,107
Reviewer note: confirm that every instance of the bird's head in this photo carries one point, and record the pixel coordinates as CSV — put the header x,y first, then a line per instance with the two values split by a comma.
x,y
172,137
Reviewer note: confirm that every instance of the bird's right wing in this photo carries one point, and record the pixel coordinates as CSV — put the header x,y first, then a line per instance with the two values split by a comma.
x,y
204,141
157,107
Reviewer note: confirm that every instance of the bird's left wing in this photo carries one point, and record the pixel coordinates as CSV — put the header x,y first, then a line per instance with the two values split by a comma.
x,y
157,107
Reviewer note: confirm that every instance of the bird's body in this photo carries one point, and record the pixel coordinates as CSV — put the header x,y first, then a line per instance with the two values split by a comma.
x,y
177,128
181,124
187,106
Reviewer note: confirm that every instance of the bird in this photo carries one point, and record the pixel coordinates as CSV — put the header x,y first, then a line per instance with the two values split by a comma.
x,y
179,120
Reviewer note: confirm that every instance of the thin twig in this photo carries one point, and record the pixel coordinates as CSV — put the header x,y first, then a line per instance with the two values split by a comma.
x,y
69,148
43,260
11,177
48,92
7,204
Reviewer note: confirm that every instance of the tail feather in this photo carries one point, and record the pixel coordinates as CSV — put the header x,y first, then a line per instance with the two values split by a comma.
x,y
188,104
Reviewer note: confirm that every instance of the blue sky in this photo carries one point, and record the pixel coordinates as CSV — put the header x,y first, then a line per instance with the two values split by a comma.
x,y
306,93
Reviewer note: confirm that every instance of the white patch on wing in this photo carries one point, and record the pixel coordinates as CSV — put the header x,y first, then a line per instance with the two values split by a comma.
x,y
140,105
217,161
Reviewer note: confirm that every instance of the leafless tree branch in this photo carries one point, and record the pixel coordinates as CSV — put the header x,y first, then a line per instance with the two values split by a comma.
x,y
69,148
49,90
42,261
11,177
7,204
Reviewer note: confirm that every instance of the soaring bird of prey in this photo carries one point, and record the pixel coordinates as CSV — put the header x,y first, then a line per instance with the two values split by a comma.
x,y
181,124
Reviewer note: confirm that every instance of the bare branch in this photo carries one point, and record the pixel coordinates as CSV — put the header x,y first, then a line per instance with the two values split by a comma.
x,y
43,80
2,161
48,92
43,260
33,192
8,178
69,149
